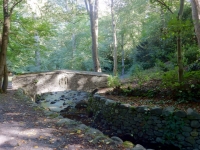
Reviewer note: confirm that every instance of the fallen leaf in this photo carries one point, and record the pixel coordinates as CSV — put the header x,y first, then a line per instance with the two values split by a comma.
x,y
66,146
81,135
36,146
71,133
91,141
78,131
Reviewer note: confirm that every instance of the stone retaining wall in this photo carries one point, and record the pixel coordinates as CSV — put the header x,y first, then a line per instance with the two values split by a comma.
x,y
154,125
37,83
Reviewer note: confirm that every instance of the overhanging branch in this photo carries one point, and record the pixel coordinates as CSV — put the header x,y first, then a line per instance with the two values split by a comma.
x,y
11,9
165,5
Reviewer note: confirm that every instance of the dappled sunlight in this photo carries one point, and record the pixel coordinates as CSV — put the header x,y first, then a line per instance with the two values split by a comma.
x,y
4,139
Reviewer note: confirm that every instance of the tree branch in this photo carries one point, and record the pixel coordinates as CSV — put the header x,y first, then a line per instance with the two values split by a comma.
x,y
86,5
11,9
165,5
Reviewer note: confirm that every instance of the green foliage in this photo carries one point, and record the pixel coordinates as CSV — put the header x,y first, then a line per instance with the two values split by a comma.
x,y
114,81
188,90
194,66
170,79
164,66
191,53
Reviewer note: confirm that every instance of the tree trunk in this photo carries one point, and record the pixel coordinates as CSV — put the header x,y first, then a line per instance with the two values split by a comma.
x,y
73,48
179,46
4,45
37,52
122,46
196,18
179,58
114,39
1,77
5,79
94,31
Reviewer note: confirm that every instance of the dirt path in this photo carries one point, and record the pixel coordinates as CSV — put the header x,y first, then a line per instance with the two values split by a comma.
x,y
24,127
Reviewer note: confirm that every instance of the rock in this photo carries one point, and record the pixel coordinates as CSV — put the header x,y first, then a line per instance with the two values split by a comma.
x,y
99,138
117,140
190,140
192,114
159,140
167,111
180,114
194,134
186,129
156,111
139,147
53,102
195,124
66,109
63,121
81,104
141,109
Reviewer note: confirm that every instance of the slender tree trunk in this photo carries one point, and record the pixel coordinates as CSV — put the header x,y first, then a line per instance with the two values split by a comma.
x,y
37,52
196,18
179,45
179,58
5,79
94,31
1,77
114,39
4,45
73,48
122,47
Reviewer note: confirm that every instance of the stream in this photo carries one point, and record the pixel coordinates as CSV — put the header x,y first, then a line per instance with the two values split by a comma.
x,y
72,105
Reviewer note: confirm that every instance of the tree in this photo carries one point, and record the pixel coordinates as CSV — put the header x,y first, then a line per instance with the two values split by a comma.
x,y
4,43
196,18
93,13
178,35
179,45
114,39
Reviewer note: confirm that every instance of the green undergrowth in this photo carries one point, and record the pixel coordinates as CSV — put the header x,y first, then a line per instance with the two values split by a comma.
x,y
159,84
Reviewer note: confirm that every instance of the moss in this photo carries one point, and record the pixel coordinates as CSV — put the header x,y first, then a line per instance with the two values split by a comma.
x,y
128,144
53,115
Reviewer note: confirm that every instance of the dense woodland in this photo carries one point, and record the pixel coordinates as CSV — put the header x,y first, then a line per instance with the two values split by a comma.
x,y
143,39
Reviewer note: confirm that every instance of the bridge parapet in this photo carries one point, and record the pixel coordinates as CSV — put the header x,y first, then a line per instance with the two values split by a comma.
x,y
60,80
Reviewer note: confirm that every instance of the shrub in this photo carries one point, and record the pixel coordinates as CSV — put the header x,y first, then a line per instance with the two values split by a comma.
x,y
188,90
113,81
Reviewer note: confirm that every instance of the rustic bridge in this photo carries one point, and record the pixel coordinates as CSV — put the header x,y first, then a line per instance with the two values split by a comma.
x,y
37,83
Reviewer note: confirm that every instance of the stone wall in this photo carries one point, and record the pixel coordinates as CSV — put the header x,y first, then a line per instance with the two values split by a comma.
x,y
37,83
153,125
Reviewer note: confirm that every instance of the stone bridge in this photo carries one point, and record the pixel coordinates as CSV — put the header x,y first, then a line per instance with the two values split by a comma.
x,y
61,80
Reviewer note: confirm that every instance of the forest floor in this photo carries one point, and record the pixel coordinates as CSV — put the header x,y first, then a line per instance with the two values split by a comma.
x,y
23,127
157,101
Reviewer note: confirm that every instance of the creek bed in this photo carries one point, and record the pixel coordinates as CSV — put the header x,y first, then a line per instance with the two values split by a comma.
x,y
65,103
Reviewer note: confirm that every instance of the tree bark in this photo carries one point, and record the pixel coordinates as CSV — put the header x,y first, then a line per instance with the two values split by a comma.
x,y
179,45
114,39
73,48
196,18
5,79
122,47
4,44
37,52
94,31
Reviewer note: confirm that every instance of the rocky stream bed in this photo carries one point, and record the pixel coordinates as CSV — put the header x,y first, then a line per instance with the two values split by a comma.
x,y
73,105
